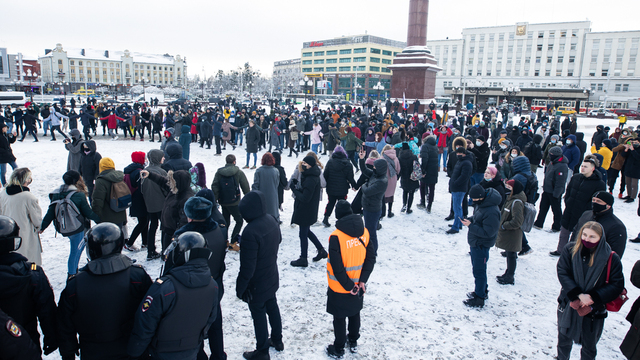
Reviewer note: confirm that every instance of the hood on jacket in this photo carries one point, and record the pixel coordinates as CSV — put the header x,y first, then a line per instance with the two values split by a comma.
x,y
174,150
381,168
431,140
209,195
459,141
537,138
599,157
572,138
91,145
312,171
132,167
179,181
112,175
492,198
351,225
155,156
193,274
15,283
186,129
521,165
579,136
338,155
253,205
171,132
75,134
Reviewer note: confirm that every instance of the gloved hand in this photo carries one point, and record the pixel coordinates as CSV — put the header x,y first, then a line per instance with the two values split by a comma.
x,y
50,345
294,181
246,297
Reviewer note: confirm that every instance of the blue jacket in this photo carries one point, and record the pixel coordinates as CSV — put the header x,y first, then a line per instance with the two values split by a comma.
x,y
485,223
571,152
521,169
185,141
217,125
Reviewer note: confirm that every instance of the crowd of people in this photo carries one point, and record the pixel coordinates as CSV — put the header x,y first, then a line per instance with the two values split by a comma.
x,y
492,159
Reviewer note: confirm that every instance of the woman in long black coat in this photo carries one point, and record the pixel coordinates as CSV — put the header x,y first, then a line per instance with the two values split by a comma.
x,y
253,139
305,209
408,186
429,155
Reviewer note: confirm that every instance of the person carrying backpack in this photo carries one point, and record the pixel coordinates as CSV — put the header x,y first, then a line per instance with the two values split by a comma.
x,y
70,212
101,203
226,186
522,171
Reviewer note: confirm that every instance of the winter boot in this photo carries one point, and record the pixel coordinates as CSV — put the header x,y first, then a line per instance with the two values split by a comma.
x,y
334,353
325,221
421,205
256,355
404,208
508,277
322,254
476,302
301,262
429,208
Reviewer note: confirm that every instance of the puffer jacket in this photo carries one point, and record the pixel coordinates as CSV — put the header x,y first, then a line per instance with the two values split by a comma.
x,y
555,177
374,190
486,221
175,161
339,175
577,198
152,193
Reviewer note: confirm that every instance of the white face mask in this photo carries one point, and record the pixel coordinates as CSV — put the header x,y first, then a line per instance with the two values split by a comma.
x,y
503,147
514,155
569,142
478,143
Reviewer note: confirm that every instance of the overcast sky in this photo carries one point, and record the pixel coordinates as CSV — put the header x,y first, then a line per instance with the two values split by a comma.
x,y
226,34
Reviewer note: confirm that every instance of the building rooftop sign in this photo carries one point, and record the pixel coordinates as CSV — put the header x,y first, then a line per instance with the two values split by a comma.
x,y
348,40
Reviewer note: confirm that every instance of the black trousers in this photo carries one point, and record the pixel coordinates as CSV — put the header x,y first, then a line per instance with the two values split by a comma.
x,y
227,212
591,332
423,191
216,342
218,149
332,203
340,330
259,312
57,128
352,156
29,131
547,200
203,140
142,229
153,219
407,198
612,176
167,236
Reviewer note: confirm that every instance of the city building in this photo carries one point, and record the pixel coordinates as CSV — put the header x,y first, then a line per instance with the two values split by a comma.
x,y
76,68
350,65
286,75
19,72
563,62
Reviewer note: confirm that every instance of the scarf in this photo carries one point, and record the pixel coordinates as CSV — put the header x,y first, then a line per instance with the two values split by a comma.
x,y
392,165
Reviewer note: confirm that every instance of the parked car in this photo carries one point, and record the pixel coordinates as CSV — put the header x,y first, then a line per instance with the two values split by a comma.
x,y
630,114
566,110
601,113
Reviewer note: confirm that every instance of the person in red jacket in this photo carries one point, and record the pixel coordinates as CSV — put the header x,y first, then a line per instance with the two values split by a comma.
x,y
443,133
112,124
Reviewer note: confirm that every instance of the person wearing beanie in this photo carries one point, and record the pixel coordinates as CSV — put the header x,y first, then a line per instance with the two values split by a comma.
x,y
305,209
408,185
75,188
459,183
102,192
480,149
338,173
555,178
483,229
554,141
138,207
510,232
351,261
534,153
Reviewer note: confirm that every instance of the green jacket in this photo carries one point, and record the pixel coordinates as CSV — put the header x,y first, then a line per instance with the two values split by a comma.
x,y
230,170
511,218
352,141
79,199
101,195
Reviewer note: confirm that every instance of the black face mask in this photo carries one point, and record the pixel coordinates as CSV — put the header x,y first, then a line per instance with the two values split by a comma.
x,y
597,208
460,156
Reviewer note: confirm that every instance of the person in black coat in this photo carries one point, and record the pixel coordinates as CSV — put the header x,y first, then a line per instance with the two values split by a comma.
x,y
258,279
582,272
602,212
347,286
283,177
480,149
631,169
429,155
199,212
459,185
582,146
175,161
138,207
577,199
15,342
253,139
598,137
339,176
89,165
555,178
372,194
305,209
493,180
25,293
6,153
408,186
533,152
99,303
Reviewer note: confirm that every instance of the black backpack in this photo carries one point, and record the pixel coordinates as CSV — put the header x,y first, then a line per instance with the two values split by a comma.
x,y
531,190
229,190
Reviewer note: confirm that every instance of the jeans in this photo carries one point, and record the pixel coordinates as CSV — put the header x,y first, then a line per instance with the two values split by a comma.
x,y
457,210
3,171
442,156
47,125
314,147
371,223
590,334
10,128
479,258
305,235
340,330
76,242
259,312
255,158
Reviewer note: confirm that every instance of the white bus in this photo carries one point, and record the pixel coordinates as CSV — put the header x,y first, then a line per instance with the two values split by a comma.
x,y
12,98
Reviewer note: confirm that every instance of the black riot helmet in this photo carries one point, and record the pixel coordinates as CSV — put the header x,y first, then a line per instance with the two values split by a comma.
x,y
10,239
188,246
103,240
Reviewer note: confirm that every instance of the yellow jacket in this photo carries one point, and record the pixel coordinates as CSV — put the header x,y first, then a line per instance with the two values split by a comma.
x,y
606,155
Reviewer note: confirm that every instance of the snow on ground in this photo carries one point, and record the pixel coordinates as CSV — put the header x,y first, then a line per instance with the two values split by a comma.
x,y
413,307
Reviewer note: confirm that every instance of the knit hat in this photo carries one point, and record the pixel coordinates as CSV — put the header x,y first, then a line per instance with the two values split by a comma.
x,y
138,157
477,192
481,138
198,208
405,146
343,208
604,196
555,151
607,143
340,149
106,164
71,177
310,160
555,137
516,186
505,142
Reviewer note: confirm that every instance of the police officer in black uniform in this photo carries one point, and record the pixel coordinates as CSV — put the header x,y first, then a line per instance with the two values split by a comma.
x,y
100,301
25,293
177,311
198,211
15,343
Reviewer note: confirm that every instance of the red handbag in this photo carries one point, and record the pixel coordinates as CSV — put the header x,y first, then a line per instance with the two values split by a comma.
x,y
617,303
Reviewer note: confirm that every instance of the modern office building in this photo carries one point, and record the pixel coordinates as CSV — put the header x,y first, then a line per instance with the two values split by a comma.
x,y
87,67
350,65
286,75
561,61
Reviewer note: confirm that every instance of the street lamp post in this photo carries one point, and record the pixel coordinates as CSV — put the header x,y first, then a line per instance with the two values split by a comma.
x,y
356,86
250,86
379,87
588,92
456,91
304,83
477,89
510,91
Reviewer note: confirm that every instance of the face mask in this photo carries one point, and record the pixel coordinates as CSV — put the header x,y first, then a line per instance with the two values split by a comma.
x,y
478,143
460,156
553,141
569,142
487,178
514,155
635,146
625,133
503,147
86,152
597,208
589,245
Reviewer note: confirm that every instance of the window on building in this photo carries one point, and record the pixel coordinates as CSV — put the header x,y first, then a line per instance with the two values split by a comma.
x,y
549,59
471,49
319,61
605,72
540,47
345,51
374,59
332,68
332,61
306,54
360,50
537,59
386,70
345,68
563,33
625,87
592,73
374,68
618,87
572,59
136,66
318,53
359,68
345,60
552,34
70,63
558,72
80,63
73,71
320,69
600,87
306,62
550,47
560,59
540,35
332,52
386,52
386,61
359,59
547,73
570,73
537,73
306,70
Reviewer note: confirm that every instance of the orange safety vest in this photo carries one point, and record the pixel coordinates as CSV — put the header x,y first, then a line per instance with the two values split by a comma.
x,y
353,254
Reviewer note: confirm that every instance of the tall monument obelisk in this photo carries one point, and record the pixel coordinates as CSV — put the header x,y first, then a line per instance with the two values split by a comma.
x,y
414,69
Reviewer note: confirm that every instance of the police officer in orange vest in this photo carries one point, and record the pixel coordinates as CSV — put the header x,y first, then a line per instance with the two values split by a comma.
x,y
350,263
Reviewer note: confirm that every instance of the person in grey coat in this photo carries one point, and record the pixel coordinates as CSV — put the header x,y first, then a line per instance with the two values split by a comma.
x,y
154,197
266,179
74,146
